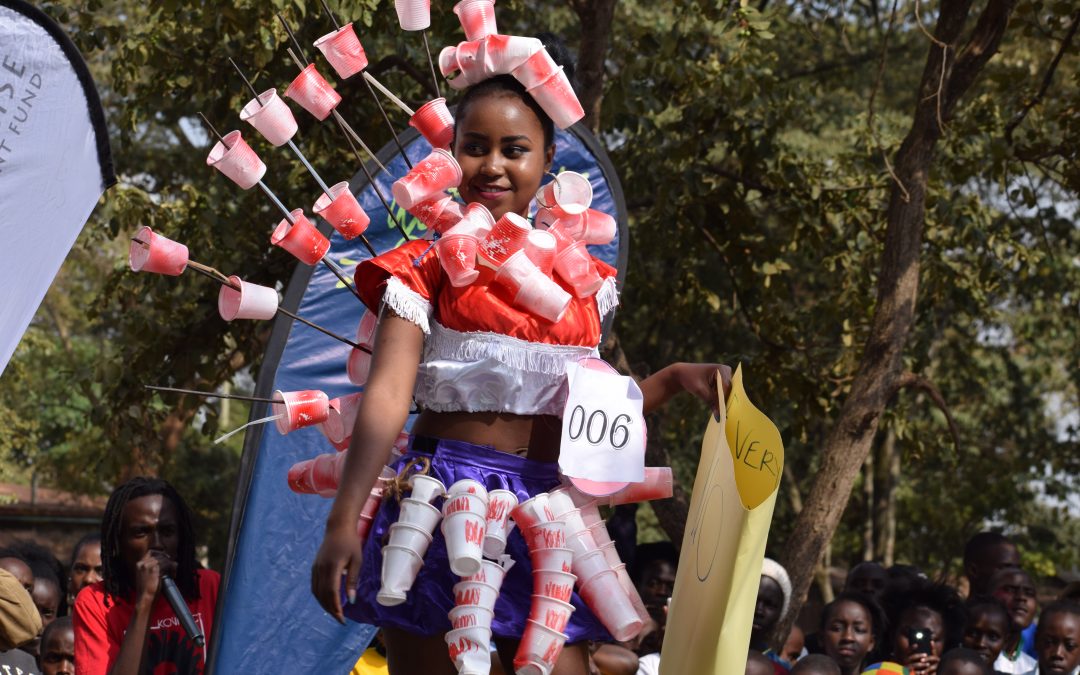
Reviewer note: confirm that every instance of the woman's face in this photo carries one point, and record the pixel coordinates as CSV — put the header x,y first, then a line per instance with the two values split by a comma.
x,y
1057,642
499,144
985,633
770,602
86,569
926,619
848,635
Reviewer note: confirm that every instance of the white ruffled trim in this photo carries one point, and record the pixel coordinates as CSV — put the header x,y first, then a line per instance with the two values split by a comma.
x,y
407,303
607,298
446,344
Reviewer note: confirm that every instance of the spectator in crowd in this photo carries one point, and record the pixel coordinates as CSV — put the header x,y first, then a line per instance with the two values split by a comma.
x,y
851,627
985,554
1057,639
19,621
1013,587
988,627
924,622
773,598
868,578
123,624
962,661
85,567
816,664
759,664
58,648
14,563
48,571
794,647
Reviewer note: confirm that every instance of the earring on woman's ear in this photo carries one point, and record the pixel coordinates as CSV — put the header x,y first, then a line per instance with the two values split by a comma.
x,y
540,192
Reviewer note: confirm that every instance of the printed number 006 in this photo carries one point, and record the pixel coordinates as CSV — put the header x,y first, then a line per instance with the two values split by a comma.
x,y
594,426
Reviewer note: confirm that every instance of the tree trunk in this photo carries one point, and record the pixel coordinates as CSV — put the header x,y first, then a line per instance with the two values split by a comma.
x,y
868,552
945,78
595,17
888,477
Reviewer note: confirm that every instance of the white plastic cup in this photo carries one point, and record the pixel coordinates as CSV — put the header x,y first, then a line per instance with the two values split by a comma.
x,y
574,523
475,593
399,568
569,194
611,555
251,301
491,573
535,69
600,534
554,584
504,53
464,534
582,543
470,649
271,117
299,409
590,514
543,297
540,644
342,211
468,486
500,504
358,367
437,172
477,18
313,93
478,219
557,98
546,535
419,513
341,417
552,613
552,559
343,51
559,501
413,14
605,597
532,512
589,565
426,488
233,157
469,616
410,537
631,592
157,254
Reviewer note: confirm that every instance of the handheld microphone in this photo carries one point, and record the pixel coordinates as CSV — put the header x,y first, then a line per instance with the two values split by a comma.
x,y
176,601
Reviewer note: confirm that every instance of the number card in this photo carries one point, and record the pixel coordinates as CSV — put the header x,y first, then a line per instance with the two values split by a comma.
x,y
603,430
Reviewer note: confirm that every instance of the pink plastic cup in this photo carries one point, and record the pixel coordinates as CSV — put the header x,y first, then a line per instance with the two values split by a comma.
x,y
544,298
464,534
358,367
516,272
590,514
611,555
457,256
559,501
233,157
532,512
157,254
313,93
448,61
540,645
506,238
552,559
476,220
572,520
658,484
419,513
535,69
434,121
440,213
546,535
575,267
605,597
320,475
433,174
540,248
556,96
600,534
570,194
554,584
491,573
271,117
504,53
475,593
470,649
564,235
500,503
247,301
342,211
299,409
554,614
341,418
410,537
343,51
600,228
581,543
587,566
300,238
425,488
477,18
399,568
413,14
631,592
469,616
468,486
470,61
365,331
545,218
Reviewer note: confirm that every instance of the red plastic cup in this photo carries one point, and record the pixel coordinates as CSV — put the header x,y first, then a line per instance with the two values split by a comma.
x,y
470,61
299,409
413,14
234,157
599,227
341,418
475,593
532,512
544,298
246,301
552,613
506,238
320,475
469,616
419,513
553,584
605,597
399,568
658,484
539,645
342,211
300,238
552,559
157,254
433,174
434,121
429,210
540,248
535,69
556,96
365,332
470,649
504,53
570,194
457,255
575,267
358,367
313,93
546,535
491,573
477,18
271,117
343,51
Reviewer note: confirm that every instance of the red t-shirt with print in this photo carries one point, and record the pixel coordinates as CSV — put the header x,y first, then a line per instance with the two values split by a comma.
x,y
99,630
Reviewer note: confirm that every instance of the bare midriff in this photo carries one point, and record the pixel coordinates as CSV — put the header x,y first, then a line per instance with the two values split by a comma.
x,y
533,436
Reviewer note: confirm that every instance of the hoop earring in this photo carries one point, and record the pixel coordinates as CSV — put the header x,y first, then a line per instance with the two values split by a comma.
x,y
540,192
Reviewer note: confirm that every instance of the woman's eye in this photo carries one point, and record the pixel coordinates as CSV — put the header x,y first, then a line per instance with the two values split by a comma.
x,y
474,149
514,151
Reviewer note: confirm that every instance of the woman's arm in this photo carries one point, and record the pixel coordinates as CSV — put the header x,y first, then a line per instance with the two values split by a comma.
x,y
697,378
383,411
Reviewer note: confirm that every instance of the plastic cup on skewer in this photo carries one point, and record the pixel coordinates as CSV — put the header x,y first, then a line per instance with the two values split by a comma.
x,y
569,194
556,96
477,18
299,409
535,69
358,367
340,208
434,121
413,14
343,51
605,597
505,53
271,117
457,256
233,157
540,249
399,568
433,174
151,252
341,417
300,238
506,238
246,301
313,93
575,267
554,614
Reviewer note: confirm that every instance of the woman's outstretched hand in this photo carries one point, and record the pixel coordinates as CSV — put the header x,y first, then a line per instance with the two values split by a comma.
x,y
339,554
700,380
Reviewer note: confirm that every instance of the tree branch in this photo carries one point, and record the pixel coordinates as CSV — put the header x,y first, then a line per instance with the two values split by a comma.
x,y
909,379
1047,78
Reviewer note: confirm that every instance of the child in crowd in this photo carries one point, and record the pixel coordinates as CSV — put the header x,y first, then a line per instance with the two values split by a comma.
x,y
986,554
924,623
85,567
794,647
963,662
58,648
988,627
1014,588
1057,639
774,596
868,578
759,664
851,627
816,664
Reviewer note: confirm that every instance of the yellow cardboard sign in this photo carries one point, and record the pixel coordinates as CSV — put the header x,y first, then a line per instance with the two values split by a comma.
x,y
712,608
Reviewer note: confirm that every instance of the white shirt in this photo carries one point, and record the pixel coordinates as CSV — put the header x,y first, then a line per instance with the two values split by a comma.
x,y
649,664
1024,665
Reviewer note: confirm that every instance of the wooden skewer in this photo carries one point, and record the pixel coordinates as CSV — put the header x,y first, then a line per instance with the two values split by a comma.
x,y
210,394
397,101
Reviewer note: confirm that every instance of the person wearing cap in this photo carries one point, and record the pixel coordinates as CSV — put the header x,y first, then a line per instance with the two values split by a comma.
x,y
773,599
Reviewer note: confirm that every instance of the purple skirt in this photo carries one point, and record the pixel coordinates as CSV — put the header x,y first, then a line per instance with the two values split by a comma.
x,y
425,610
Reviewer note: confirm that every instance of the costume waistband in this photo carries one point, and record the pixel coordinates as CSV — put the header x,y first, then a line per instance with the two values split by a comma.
x,y
483,456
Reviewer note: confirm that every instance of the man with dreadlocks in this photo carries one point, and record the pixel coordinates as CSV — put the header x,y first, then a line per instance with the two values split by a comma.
x,y
123,624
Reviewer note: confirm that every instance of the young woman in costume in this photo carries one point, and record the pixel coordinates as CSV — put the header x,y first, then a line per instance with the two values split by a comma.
x,y
490,379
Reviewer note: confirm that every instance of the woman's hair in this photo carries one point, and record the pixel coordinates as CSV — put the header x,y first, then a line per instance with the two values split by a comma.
x,y
507,85
91,538
965,656
1058,607
118,578
988,604
873,610
938,598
